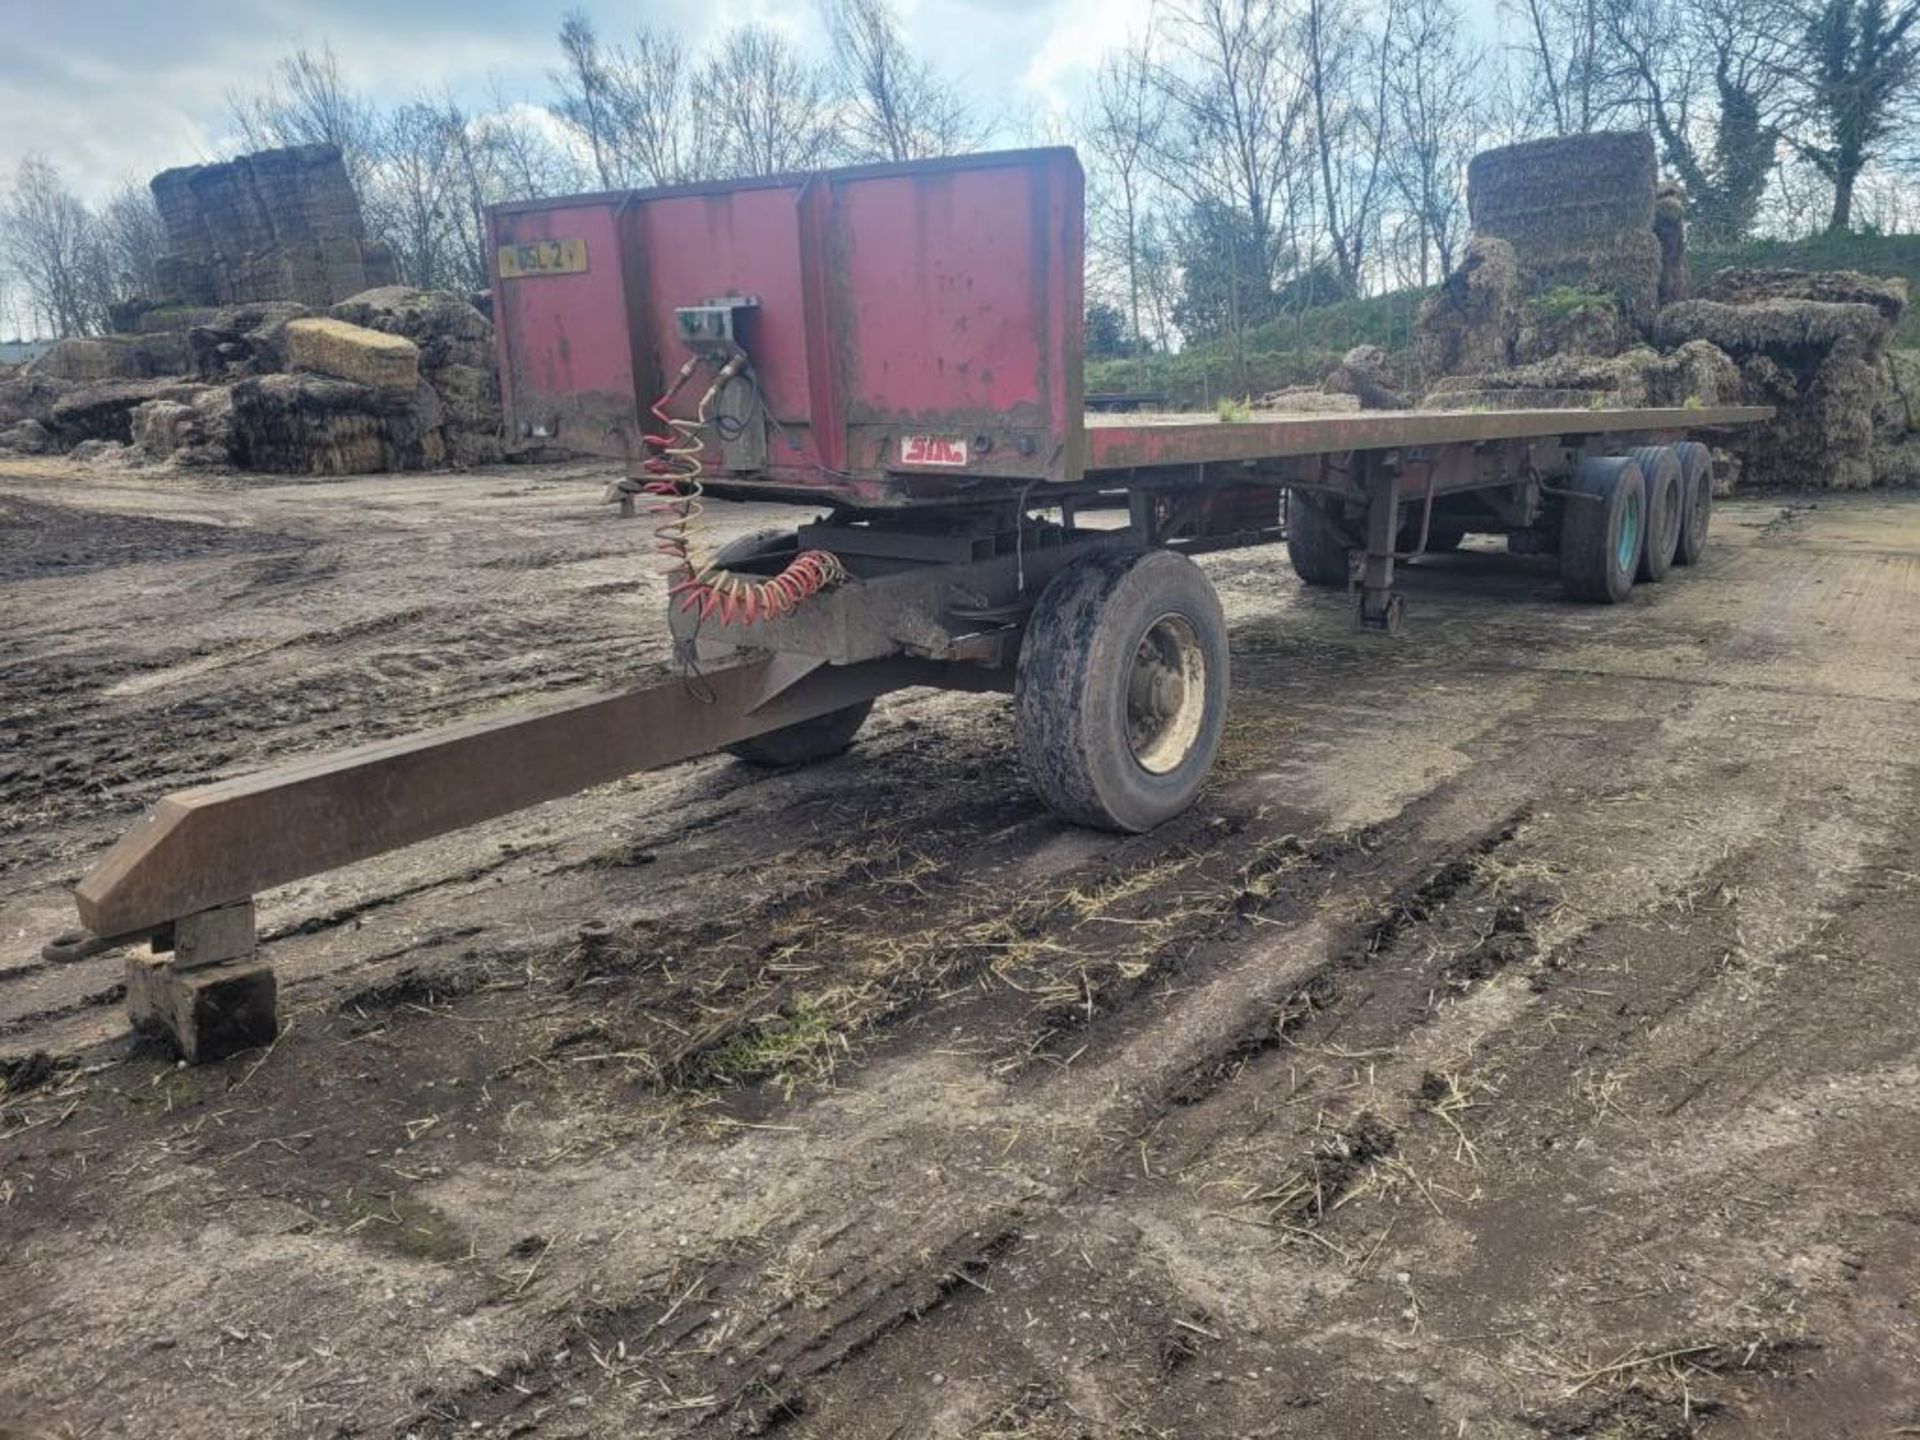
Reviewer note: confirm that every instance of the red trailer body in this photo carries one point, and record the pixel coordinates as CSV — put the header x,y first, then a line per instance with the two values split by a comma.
x,y
903,320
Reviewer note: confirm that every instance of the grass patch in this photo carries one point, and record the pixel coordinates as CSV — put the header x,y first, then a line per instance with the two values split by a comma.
x,y
1298,348
1563,302
802,1043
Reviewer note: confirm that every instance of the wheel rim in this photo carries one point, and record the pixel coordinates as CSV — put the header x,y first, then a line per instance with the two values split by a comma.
x,y
1166,695
1628,552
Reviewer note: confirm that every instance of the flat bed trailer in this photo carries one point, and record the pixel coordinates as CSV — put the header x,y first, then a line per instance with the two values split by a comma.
x,y
898,346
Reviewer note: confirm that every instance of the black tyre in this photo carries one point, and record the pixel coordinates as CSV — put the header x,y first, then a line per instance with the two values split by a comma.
x,y
1696,500
1602,530
1317,541
808,740
1120,695
1660,469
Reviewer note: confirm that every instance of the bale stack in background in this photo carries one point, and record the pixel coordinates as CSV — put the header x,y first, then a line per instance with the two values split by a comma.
x,y
1693,374
274,225
237,360
1814,346
1578,212
116,357
1472,322
1670,229
373,358
1599,264
457,358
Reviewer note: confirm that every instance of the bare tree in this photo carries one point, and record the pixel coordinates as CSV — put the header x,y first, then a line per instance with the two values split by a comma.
x,y
131,239
1571,81
632,106
1434,108
1125,115
584,99
773,111
1232,142
53,246
668,135
413,199
897,108
1347,76
476,177
306,102
526,158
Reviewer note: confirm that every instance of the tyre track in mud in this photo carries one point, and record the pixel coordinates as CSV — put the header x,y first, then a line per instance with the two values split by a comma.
x,y
1257,878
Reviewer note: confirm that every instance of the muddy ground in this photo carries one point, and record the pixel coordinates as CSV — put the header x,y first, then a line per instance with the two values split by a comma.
x,y
1517,1040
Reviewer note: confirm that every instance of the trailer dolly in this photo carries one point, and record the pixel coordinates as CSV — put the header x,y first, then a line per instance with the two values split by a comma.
x,y
898,346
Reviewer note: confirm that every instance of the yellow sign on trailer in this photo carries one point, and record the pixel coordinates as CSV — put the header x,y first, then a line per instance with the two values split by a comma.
x,y
543,257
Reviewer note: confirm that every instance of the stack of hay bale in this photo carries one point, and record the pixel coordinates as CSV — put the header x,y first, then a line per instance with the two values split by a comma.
x,y
273,225
1578,213
457,361
1574,292
278,343
1472,324
1812,345
391,379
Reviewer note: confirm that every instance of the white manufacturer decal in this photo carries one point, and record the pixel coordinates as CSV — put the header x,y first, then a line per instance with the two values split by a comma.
x,y
933,450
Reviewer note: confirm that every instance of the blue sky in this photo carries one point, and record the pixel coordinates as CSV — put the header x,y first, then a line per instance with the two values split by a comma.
x,y
113,90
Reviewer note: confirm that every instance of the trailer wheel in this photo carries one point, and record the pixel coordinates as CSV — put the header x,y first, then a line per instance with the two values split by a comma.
x,y
1120,694
1660,468
805,740
1603,529
1696,500
1317,543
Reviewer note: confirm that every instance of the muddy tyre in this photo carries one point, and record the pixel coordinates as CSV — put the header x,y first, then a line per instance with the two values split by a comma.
x,y
1120,694
1660,469
1317,543
1696,500
1602,530
807,740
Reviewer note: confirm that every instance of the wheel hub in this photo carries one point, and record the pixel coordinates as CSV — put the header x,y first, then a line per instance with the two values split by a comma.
x,y
1166,695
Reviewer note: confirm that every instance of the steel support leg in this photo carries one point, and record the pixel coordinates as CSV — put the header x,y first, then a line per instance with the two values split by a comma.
x,y
1380,603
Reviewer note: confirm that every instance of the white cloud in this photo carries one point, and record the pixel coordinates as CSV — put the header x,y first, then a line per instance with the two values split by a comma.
x,y
1081,31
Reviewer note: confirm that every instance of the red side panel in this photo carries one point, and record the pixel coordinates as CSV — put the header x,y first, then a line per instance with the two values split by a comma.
x,y
908,320
568,368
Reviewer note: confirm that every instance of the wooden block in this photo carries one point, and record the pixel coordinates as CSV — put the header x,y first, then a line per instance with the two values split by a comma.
x,y
205,1013
210,936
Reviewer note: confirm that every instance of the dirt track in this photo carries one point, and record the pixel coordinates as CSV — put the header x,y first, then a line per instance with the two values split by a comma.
x,y
1518,1039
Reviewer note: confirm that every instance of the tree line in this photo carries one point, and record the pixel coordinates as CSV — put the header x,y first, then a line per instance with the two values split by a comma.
x,y
1245,158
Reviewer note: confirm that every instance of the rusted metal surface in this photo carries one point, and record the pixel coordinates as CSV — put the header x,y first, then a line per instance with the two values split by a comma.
x,y
1127,442
573,381
220,843
921,318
